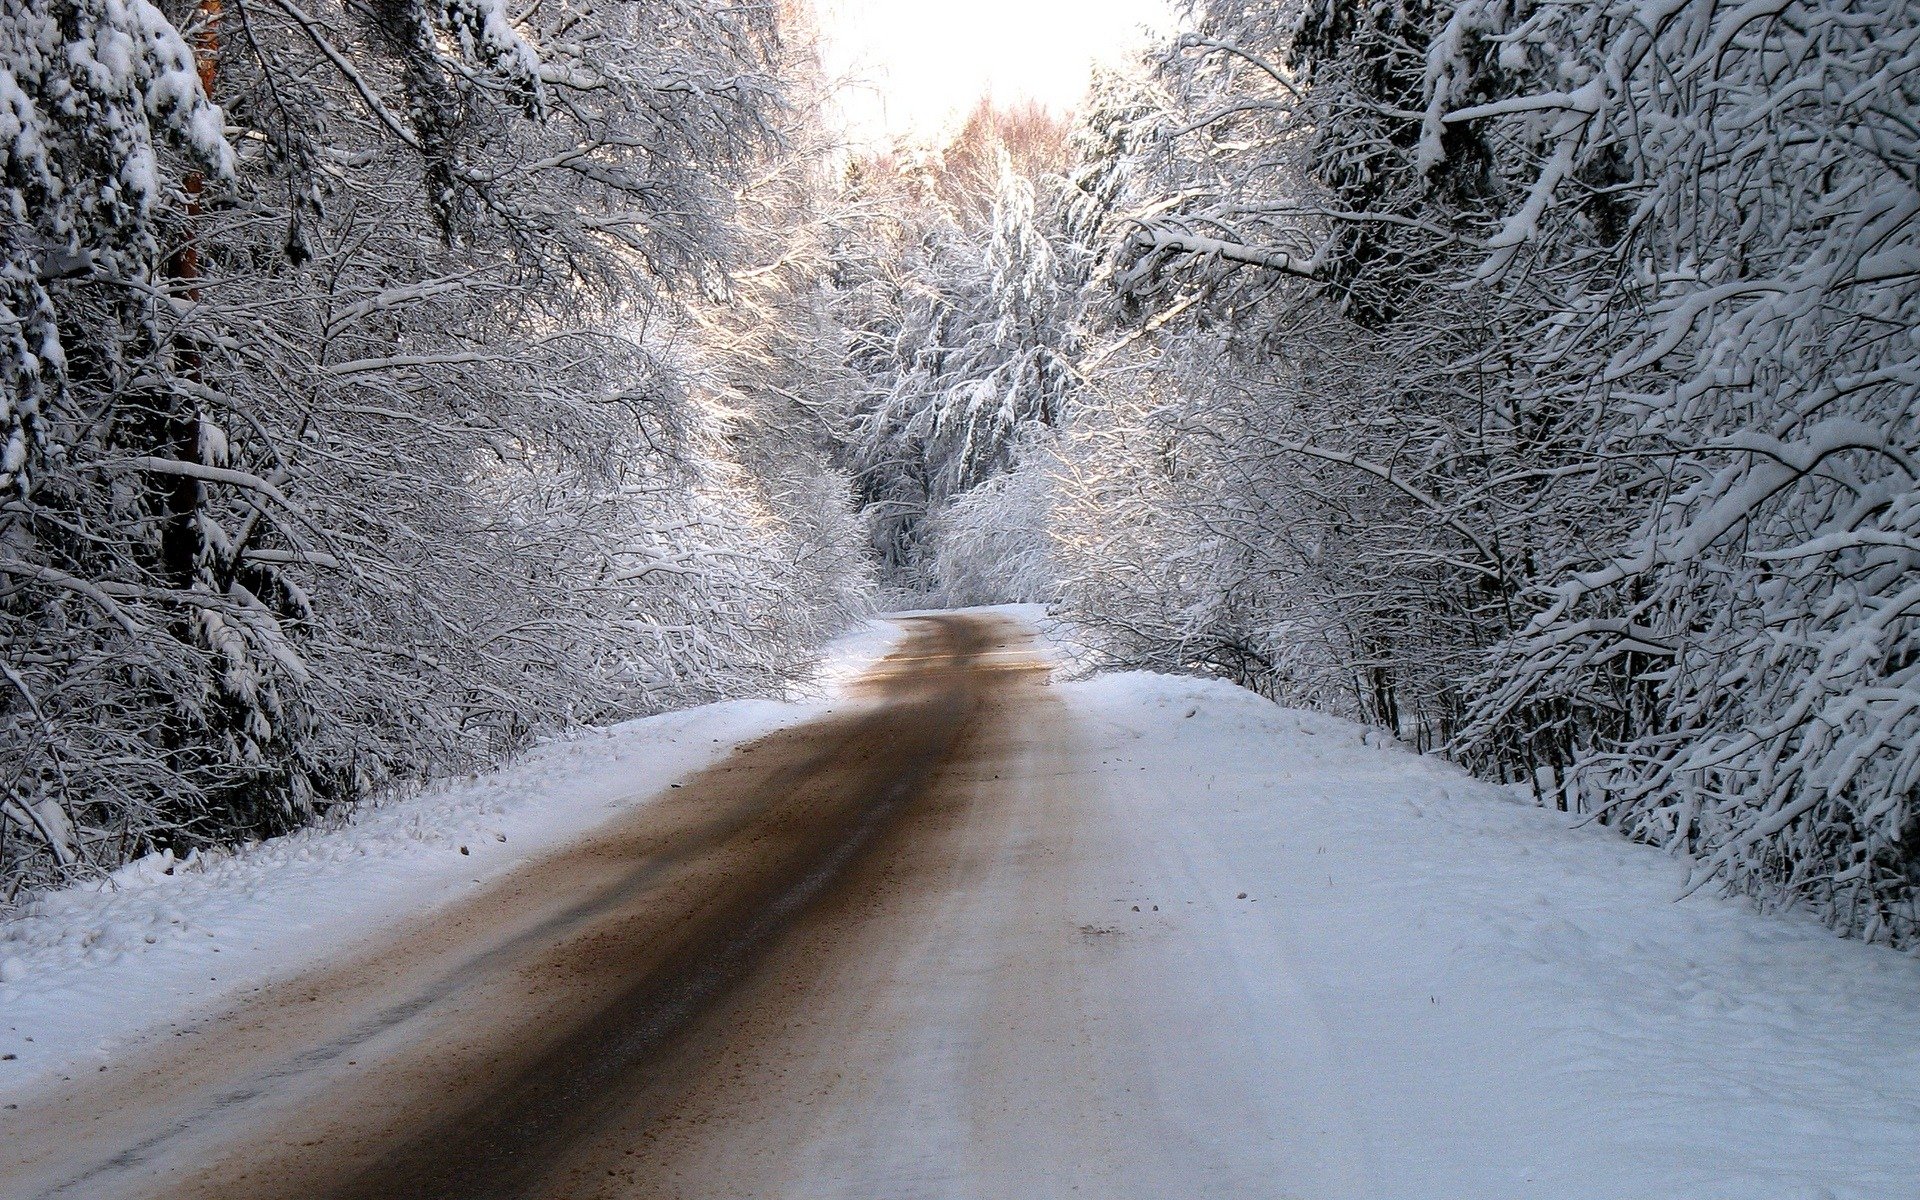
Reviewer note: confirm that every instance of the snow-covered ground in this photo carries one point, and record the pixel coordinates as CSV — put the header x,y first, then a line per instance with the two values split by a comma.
x,y
1314,964
84,970
1487,1002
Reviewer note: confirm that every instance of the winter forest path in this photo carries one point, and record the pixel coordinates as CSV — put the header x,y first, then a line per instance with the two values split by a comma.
x,y
875,954
967,931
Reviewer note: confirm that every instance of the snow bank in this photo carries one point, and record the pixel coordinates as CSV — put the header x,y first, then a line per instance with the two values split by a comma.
x,y
1505,1005
843,660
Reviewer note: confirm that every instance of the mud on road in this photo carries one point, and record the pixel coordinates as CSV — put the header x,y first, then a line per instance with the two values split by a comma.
x,y
563,1016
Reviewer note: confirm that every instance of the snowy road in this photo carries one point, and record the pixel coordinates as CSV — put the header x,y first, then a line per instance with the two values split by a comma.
x,y
979,935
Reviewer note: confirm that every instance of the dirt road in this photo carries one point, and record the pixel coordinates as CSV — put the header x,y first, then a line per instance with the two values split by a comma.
x,y
970,935
900,951
592,1025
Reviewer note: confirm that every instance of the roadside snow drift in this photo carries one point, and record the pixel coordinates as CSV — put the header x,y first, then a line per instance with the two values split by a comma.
x,y
1490,1003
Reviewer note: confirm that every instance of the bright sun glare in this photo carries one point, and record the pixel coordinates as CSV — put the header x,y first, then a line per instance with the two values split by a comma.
x,y
916,65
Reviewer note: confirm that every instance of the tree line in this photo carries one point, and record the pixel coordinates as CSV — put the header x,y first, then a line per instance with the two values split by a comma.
x,y
1536,381
358,398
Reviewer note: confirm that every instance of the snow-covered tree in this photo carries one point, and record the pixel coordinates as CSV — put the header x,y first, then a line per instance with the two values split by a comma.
x,y
966,324
351,437
1552,361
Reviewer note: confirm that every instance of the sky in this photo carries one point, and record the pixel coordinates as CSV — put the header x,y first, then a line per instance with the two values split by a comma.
x,y
917,65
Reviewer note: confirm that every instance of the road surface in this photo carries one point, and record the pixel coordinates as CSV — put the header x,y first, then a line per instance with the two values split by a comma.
x,y
860,957
973,935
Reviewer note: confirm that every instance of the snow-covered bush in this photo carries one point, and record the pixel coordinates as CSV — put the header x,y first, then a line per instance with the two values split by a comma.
x,y
993,544
1717,259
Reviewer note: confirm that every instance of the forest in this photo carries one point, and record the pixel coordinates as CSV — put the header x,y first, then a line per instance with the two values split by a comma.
x,y
388,384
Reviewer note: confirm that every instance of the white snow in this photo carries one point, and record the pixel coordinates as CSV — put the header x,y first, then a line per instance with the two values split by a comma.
x,y
847,656
1481,1001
